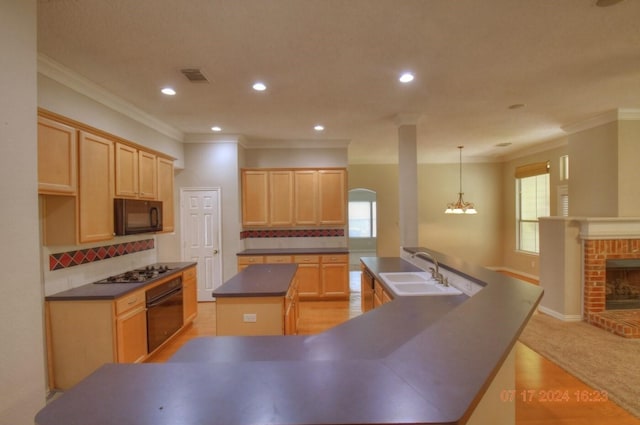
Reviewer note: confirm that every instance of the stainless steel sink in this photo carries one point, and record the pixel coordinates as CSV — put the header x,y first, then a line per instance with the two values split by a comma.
x,y
416,284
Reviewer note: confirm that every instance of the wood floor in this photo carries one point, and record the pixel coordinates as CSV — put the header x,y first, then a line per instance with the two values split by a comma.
x,y
534,373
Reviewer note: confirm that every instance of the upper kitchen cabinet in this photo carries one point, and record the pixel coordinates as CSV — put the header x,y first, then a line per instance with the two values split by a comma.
x,y
96,178
165,192
255,198
57,158
306,197
281,198
332,195
293,197
93,167
135,172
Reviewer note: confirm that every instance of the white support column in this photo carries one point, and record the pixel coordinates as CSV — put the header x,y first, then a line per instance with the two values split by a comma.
x,y
408,179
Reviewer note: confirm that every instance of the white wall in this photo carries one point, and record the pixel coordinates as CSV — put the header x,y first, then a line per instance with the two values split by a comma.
x,y
209,165
22,392
475,238
593,172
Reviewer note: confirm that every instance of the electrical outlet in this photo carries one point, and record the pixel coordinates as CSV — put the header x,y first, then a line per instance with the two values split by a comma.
x,y
250,317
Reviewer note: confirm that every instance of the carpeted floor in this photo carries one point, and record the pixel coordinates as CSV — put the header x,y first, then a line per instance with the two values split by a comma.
x,y
600,359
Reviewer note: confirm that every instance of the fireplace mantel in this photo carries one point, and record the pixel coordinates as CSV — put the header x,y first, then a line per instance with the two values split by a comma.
x,y
602,228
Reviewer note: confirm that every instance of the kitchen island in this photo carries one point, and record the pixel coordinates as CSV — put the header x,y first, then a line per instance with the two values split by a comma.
x,y
430,360
260,300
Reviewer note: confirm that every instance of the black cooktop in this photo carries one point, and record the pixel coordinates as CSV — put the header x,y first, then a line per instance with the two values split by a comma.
x,y
138,275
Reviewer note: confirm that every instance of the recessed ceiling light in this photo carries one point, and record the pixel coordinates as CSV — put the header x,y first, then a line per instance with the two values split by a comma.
x,y
318,127
168,91
216,128
259,86
406,77
516,106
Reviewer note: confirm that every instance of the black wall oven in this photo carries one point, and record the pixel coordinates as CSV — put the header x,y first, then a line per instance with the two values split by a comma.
x,y
164,312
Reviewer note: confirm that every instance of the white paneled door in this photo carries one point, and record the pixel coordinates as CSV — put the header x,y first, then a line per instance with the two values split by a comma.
x,y
201,237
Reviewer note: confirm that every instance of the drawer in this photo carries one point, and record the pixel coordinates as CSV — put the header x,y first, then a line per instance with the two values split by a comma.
x,y
189,274
335,258
250,259
130,301
276,259
306,259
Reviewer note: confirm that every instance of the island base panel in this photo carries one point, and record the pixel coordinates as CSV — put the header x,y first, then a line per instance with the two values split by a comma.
x,y
249,316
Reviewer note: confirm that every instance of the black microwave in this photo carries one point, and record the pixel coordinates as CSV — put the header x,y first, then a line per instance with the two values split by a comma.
x,y
132,216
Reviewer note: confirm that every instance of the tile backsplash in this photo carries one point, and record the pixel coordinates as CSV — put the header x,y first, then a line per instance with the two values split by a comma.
x,y
67,259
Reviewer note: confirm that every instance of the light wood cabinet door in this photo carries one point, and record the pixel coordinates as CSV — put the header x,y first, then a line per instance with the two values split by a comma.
x,y
165,193
306,197
308,277
147,175
131,334
332,197
190,295
126,185
96,181
255,198
57,158
335,276
135,173
280,198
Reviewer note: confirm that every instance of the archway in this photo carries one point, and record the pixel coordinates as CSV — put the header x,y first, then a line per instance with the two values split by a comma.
x,y
362,225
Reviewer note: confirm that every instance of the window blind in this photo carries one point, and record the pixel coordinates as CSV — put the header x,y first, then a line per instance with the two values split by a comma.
x,y
530,170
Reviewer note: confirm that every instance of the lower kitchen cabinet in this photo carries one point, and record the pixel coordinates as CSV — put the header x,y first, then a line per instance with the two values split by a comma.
x,y
380,294
335,276
131,329
291,310
190,295
82,335
308,276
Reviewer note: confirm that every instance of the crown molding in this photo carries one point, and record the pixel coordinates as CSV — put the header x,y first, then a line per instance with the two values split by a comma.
x,y
296,144
65,76
601,119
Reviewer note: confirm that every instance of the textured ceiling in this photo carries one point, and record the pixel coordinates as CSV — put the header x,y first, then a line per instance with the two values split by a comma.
x,y
336,62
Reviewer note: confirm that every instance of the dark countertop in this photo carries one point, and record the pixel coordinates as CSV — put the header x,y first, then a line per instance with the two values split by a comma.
x,y
259,280
293,251
413,360
110,291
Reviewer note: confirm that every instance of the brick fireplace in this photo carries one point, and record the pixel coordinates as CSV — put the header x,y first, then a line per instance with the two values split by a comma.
x,y
611,249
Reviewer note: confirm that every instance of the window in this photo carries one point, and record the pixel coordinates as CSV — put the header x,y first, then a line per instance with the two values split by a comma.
x,y
362,219
532,201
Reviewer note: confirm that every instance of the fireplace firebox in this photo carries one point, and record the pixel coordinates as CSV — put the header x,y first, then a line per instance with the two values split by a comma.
x,y
622,289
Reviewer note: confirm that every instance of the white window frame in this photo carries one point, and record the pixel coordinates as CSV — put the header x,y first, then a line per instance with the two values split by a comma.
x,y
522,245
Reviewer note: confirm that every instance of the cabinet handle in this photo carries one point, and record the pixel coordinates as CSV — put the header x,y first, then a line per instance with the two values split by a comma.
x,y
133,301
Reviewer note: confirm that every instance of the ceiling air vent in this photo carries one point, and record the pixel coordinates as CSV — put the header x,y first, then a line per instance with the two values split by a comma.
x,y
194,75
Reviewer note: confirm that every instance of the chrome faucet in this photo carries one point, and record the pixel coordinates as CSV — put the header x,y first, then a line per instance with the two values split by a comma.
x,y
435,273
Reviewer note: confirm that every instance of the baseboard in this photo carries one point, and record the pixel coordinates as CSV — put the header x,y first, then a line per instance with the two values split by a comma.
x,y
560,316
524,275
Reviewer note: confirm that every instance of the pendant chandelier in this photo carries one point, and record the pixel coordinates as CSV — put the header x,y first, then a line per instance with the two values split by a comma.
x,y
460,206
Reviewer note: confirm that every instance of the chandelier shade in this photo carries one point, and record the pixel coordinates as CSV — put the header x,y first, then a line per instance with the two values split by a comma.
x,y
460,206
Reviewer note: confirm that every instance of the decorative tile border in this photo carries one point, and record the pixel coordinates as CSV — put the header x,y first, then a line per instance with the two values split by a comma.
x,y
291,233
63,260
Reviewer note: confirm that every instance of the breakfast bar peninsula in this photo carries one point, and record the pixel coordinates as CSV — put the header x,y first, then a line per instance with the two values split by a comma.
x,y
413,360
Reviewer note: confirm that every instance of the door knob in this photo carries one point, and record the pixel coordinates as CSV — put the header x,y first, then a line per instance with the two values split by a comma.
x,y
215,251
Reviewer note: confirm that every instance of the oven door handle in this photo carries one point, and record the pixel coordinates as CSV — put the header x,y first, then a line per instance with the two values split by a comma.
x,y
157,301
